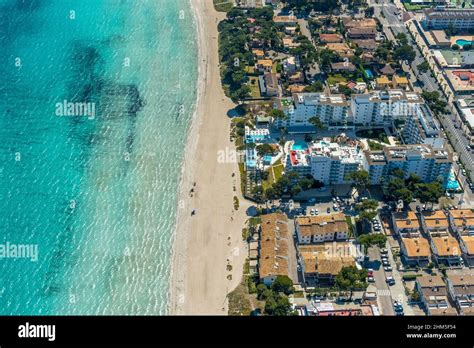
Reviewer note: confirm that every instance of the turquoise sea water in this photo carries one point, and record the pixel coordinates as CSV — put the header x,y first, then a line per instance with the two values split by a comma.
x,y
98,196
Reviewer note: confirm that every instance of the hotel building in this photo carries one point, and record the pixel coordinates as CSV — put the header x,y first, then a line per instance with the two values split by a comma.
x,y
332,110
427,162
442,18
421,127
379,108
331,163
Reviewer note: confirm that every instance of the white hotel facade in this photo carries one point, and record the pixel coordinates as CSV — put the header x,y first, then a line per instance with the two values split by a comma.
x,y
330,162
377,108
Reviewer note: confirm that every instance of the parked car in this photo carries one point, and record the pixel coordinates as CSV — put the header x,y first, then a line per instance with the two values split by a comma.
x,y
335,207
384,251
388,268
328,210
371,279
398,307
390,281
385,263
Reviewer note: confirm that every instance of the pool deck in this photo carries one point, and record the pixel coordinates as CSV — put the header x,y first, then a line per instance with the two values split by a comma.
x,y
462,37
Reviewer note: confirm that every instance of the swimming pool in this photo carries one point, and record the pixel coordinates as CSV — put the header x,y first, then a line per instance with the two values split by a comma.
x,y
462,42
369,74
255,138
267,159
452,183
299,146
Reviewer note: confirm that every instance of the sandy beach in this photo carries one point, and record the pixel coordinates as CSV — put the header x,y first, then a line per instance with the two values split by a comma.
x,y
209,241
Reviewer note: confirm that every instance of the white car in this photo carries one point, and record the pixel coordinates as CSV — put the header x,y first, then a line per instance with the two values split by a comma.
x,y
388,268
371,279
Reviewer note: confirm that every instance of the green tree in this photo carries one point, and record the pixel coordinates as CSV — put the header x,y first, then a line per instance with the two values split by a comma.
x,y
367,209
264,149
423,67
316,121
257,191
261,288
359,179
278,305
405,195
430,192
317,86
404,52
283,284
278,114
368,240
351,279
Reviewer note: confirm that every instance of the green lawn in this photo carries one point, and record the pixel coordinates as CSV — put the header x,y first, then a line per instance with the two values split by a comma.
x,y
336,79
275,172
278,169
223,5
410,7
254,88
374,146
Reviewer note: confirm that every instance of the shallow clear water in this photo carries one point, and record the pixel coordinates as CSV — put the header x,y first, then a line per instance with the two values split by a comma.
x,y
97,195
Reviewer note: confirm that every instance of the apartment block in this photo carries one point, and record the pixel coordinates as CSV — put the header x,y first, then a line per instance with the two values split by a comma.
x,y
462,226
331,163
434,295
421,126
415,251
427,162
444,18
382,107
406,224
273,253
322,228
461,290
319,264
444,247
332,110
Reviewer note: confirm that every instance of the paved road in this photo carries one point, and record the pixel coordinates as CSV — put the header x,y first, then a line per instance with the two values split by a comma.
x,y
398,290
305,29
384,298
